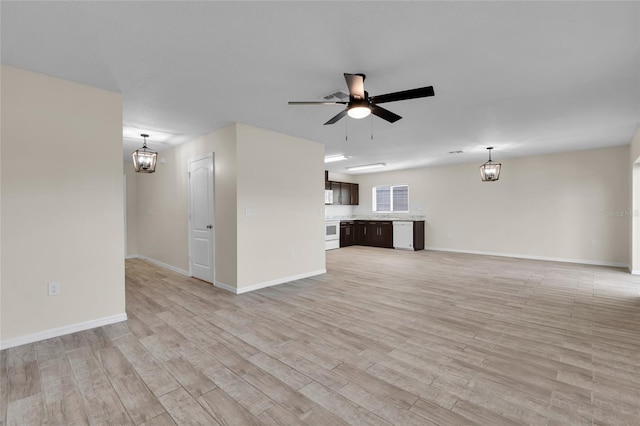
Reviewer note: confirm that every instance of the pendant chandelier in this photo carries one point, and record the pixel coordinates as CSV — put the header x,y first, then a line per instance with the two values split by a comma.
x,y
490,171
144,160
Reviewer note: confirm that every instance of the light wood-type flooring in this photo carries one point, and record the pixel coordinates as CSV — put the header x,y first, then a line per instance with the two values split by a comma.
x,y
385,337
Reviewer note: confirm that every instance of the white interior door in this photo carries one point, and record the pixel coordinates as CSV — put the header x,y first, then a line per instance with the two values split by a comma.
x,y
201,232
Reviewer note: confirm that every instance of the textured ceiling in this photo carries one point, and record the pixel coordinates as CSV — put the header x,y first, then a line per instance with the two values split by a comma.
x,y
524,77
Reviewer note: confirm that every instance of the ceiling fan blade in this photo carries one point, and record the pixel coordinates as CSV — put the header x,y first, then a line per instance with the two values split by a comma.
x,y
355,82
337,117
421,92
384,114
316,103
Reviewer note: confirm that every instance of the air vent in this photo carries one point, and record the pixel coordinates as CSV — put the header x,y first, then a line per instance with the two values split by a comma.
x,y
456,152
337,95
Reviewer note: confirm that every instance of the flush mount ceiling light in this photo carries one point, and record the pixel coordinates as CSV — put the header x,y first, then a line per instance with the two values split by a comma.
x,y
333,158
144,160
367,166
490,171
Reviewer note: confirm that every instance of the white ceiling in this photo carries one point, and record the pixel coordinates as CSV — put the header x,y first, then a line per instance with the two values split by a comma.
x,y
524,77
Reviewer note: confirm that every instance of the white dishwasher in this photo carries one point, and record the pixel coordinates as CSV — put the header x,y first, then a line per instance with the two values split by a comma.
x,y
403,234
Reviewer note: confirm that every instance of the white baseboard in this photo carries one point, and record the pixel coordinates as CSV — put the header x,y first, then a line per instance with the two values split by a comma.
x,y
634,271
161,264
525,256
269,283
232,289
226,287
61,331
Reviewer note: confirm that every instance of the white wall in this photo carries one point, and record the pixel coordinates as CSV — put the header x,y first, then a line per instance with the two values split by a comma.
x,y
279,176
560,206
62,210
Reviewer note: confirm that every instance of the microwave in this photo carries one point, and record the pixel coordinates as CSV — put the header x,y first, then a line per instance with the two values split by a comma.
x,y
328,196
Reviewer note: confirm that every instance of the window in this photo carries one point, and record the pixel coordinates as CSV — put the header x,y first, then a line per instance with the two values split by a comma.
x,y
391,198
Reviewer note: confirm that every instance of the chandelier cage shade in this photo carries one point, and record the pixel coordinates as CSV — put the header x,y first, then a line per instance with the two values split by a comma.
x,y
490,171
144,159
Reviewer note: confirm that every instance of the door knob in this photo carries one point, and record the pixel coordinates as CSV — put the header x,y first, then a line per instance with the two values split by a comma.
x,y
209,226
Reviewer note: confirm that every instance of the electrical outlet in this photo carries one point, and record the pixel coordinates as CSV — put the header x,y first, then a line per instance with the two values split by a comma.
x,y
449,235
292,253
54,289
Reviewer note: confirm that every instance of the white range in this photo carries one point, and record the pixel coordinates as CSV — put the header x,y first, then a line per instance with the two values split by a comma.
x,y
331,234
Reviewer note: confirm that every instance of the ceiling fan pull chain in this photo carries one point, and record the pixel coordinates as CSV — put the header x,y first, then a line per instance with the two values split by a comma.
x,y
371,121
346,130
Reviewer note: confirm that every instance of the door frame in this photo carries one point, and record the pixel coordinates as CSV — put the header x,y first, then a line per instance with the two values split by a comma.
x,y
213,211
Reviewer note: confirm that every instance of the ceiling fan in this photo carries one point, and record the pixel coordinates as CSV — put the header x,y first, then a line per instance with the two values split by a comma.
x,y
361,105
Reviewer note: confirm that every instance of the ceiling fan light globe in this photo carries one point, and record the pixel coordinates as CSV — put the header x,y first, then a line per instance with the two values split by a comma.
x,y
359,112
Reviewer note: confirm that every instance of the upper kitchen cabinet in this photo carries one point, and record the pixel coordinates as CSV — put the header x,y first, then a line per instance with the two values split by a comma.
x,y
355,194
344,193
337,192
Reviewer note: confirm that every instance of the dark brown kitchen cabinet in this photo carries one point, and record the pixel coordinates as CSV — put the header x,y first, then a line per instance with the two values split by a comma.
x,y
355,194
380,234
347,233
360,232
344,193
418,235
337,192
374,233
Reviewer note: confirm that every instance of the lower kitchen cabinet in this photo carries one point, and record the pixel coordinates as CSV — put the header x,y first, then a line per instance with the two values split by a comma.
x,y
374,233
378,233
418,235
347,234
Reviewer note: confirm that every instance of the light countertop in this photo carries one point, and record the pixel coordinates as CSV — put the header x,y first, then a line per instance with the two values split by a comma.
x,y
407,217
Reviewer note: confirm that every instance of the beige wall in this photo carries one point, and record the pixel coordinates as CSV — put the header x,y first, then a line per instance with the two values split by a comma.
x,y
131,214
62,218
282,178
279,176
559,206
634,196
163,204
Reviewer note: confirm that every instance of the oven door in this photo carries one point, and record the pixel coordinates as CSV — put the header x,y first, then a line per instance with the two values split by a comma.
x,y
332,231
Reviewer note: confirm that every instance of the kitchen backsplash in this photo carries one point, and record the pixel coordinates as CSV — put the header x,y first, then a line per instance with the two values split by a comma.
x,y
337,210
